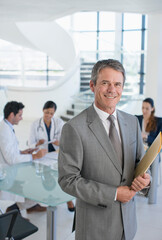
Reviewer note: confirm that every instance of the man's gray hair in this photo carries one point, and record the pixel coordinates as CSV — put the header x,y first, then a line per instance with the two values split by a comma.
x,y
108,63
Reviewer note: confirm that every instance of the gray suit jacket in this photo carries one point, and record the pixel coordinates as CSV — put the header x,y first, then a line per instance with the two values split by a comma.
x,y
90,171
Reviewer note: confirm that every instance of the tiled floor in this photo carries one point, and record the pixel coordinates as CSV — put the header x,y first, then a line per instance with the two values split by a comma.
x,y
149,216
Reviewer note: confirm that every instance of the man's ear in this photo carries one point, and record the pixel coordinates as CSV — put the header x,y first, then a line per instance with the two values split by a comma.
x,y
11,115
91,84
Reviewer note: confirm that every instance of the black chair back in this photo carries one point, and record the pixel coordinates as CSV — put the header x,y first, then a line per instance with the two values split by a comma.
x,y
14,226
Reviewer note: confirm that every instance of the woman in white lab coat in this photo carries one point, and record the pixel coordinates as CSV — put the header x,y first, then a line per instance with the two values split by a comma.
x,y
48,129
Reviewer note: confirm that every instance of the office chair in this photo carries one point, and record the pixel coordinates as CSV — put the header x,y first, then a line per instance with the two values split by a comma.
x,y
14,227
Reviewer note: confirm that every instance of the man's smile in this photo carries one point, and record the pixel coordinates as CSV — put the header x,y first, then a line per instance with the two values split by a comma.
x,y
110,97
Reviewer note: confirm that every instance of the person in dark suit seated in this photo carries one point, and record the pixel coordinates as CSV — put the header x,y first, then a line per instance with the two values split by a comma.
x,y
149,123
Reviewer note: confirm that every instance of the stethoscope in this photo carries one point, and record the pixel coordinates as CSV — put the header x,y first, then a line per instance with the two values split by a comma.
x,y
42,129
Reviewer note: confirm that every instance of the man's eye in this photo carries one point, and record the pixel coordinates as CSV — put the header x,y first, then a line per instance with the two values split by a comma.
x,y
118,84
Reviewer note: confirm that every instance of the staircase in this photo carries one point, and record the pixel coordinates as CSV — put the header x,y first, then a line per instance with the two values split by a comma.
x,y
85,75
85,98
81,101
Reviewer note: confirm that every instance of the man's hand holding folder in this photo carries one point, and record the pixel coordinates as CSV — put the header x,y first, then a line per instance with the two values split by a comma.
x,y
142,179
140,182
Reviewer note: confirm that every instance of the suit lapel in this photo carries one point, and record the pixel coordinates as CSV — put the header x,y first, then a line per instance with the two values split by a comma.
x,y
98,130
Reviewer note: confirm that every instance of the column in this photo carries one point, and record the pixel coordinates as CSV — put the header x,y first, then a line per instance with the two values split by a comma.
x,y
154,61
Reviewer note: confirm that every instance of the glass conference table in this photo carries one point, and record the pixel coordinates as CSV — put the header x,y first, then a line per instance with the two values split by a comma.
x,y
38,182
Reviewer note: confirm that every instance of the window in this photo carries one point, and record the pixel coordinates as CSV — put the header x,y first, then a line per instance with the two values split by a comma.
x,y
96,35
107,21
25,67
106,41
132,21
85,21
133,44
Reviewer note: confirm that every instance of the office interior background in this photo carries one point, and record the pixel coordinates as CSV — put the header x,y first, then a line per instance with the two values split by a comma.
x,y
47,50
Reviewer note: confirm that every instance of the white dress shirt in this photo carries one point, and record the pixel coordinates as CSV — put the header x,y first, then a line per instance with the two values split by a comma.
x,y
106,123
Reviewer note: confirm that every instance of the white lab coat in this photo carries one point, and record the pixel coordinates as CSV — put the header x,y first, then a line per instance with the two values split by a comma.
x,y
9,155
38,131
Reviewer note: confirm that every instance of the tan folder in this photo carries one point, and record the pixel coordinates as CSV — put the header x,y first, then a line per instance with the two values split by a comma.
x,y
150,156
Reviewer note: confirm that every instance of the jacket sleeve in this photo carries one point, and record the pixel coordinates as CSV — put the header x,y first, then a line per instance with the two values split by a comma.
x,y
9,149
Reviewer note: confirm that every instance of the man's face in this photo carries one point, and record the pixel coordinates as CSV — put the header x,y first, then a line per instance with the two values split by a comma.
x,y
108,89
17,118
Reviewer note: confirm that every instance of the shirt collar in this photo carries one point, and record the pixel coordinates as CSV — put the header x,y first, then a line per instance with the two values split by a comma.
x,y
11,126
104,115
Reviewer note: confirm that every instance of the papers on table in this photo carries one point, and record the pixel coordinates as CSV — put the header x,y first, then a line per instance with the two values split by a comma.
x,y
45,143
150,156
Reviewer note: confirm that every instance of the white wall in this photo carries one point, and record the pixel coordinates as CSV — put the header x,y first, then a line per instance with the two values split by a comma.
x,y
3,100
34,99
154,61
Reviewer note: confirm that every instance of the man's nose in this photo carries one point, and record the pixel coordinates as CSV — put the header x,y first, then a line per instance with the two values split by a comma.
x,y
111,87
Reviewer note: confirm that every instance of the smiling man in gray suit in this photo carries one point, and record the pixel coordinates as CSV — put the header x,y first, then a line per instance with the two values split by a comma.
x,y
97,158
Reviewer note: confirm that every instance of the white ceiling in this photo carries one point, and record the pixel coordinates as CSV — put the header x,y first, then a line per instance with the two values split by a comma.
x,y
47,10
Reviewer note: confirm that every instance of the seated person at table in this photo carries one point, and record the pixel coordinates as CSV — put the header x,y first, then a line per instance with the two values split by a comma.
x,y
150,125
10,153
48,128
